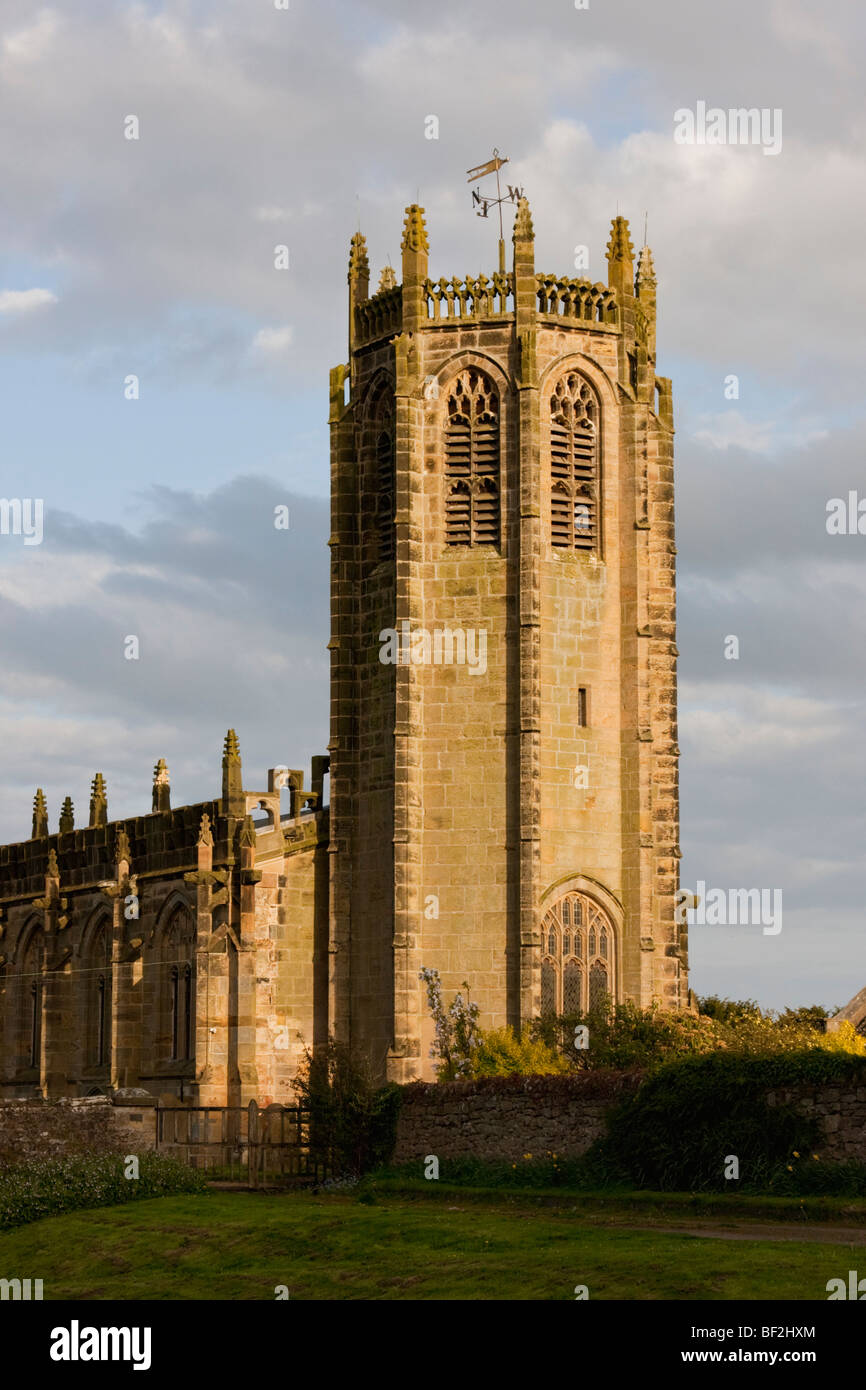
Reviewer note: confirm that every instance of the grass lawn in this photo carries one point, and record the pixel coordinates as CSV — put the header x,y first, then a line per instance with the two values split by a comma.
x,y
240,1245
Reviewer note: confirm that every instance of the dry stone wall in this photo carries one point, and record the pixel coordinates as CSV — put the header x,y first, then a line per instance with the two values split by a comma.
x,y
38,1129
509,1117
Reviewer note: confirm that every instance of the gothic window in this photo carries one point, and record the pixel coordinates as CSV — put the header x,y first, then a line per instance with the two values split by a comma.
x,y
95,993
458,515
378,475
178,990
102,1023
572,992
576,976
574,501
175,1008
472,501
35,1029
30,1006
181,1013
385,487
597,985
548,987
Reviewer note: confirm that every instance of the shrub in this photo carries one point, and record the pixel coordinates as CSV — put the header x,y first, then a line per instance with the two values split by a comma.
x,y
353,1122
676,1132
534,1170
51,1186
805,1175
500,1052
728,1010
624,1035
457,1031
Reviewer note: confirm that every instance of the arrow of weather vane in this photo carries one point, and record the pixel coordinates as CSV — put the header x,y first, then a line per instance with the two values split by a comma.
x,y
483,202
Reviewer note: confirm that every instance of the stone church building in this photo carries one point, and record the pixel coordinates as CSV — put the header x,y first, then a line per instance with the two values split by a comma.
x,y
503,742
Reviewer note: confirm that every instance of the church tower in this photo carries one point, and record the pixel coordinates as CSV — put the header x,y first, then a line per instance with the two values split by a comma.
x,y
504,803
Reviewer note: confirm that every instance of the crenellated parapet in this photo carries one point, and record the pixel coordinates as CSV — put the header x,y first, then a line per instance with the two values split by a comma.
x,y
625,307
475,297
379,317
163,842
566,299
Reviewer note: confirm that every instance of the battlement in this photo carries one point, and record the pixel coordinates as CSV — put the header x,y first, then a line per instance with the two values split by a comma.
x,y
165,841
562,298
626,305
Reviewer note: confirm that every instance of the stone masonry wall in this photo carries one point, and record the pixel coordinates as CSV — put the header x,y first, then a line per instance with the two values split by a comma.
x,y
36,1129
841,1111
501,1118
509,1117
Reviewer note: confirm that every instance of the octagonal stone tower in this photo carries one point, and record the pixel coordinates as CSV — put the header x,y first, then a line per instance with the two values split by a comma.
x,y
504,799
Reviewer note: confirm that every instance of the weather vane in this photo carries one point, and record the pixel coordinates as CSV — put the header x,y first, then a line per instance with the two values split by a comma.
x,y
484,203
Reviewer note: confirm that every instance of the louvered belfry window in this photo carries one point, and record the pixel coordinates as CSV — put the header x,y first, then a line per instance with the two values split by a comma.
x,y
574,465
385,531
472,461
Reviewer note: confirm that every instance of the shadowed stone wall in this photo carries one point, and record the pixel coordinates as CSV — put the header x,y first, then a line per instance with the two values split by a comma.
x,y
509,1117
37,1129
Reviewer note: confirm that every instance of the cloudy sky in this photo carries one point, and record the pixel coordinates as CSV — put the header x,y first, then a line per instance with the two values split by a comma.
x,y
154,257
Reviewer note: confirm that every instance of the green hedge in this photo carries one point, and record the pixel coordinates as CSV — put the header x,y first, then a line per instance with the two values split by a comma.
x,y
677,1131
51,1186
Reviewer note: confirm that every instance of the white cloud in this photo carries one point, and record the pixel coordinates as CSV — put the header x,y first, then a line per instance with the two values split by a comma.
x,y
273,342
30,44
727,725
25,301
731,429
273,214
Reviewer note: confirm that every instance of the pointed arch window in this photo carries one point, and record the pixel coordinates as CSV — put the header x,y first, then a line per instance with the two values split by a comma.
x,y
378,474
181,1013
386,539
472,473
35,1023
96,994
178,1001
574,470
598,984
29,1046
548,987
101,1020
577,968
